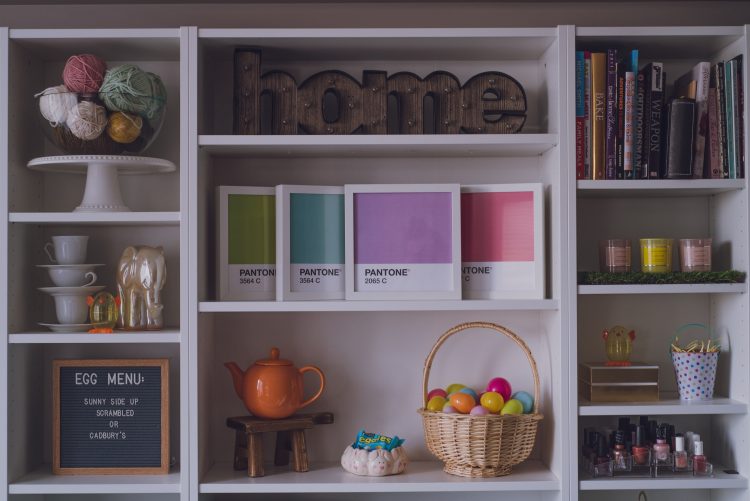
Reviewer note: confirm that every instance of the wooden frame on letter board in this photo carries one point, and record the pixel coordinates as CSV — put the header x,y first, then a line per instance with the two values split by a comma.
x,y
163,469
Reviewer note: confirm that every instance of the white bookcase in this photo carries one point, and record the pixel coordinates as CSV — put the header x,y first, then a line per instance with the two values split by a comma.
x,y
372,352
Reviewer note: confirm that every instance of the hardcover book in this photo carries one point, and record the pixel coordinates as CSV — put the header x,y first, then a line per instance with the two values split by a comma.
x,y
587,114
713,163
729,79
598,106
580,169
739,117
628,126
611,116
722,112
694,85
639,125
680,129
654,108
620,136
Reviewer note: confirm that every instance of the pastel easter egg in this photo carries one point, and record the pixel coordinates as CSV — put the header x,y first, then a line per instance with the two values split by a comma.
x,y
492,401
513,407
478,410
453,388
435,404
526,400
437,392
449,409
501,386
471,392
462,402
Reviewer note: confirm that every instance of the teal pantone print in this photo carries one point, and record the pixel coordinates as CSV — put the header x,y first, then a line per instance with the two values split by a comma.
x,y
316,228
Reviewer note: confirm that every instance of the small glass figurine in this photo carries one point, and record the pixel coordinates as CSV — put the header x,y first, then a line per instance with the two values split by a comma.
x,y
103,312
619,344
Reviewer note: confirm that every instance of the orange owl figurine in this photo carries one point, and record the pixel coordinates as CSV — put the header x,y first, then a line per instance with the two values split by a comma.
x,y
619,344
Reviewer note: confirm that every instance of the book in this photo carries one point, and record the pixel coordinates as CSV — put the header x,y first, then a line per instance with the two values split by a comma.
x,y
679,138
739,117
713,162
729,68
620,136
651,160
587,114
638,129
628,125
694,84
610,142
598,106
580,171
722,112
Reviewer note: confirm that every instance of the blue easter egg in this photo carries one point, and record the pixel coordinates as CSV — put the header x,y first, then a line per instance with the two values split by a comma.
x,y
526,400
471,392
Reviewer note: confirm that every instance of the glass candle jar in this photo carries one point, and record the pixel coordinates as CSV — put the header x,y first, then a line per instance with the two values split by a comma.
x,y
656,255
695,254
614,255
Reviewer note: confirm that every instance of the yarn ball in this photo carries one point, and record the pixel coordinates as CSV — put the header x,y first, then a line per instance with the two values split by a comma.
x,y
159,95
87,120
55,103
124,127
84,73
127,88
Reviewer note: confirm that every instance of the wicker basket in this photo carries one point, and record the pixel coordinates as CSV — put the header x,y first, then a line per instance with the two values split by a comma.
x,y
480,446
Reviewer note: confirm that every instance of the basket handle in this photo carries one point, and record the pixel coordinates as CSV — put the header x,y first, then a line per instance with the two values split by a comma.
x,y
487,325
686,327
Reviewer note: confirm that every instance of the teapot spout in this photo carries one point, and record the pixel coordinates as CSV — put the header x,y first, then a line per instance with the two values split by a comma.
x,y
238,376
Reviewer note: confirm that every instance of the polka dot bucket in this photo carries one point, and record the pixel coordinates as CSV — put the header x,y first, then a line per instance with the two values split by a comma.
x,y
696,374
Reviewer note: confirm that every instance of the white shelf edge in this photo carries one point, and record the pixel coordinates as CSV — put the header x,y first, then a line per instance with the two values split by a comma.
x,y
661,31
721,480
420,476
136,337
664,289
95,217
648,187
376,33
42,481
669,405
88,33
343,305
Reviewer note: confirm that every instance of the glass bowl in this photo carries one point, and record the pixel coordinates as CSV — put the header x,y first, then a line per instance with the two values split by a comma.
x,y
89,124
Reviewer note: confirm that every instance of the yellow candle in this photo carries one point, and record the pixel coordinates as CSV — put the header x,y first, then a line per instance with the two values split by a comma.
x,y
656,255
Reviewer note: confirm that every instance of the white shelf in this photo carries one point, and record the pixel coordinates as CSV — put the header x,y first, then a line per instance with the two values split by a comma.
x,y
42,481
720,480
135,337
450,145
657,188
321,306
668,405
96,218
420,476
664,289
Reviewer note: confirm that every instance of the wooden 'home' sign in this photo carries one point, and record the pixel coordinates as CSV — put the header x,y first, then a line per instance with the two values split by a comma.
x,y
110,417
333,102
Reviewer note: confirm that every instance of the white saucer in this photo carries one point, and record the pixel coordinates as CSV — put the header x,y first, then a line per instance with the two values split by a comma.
x,y
70,266
83,291
67,327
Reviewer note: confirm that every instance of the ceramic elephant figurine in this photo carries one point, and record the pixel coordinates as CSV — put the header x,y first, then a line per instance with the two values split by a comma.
x,y
141,274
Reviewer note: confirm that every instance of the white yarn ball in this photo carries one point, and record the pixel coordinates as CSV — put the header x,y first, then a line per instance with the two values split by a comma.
x,y
87,120
55,103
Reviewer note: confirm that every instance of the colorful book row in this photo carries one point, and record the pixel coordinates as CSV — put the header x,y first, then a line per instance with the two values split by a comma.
x,y
627,127
418,241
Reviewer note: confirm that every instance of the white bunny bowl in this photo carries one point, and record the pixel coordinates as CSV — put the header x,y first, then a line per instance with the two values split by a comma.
x,y
374,463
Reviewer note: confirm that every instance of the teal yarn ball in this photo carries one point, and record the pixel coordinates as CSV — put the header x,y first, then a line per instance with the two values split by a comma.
x,y
128,88
159,98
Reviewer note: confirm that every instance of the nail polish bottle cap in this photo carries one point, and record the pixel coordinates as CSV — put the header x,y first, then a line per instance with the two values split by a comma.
x,y
619,437
639,432
699,448
679,444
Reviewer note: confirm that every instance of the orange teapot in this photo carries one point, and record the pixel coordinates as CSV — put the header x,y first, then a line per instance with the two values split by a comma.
x,y
272,388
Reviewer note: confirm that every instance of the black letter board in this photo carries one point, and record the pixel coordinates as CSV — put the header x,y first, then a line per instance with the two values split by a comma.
x,y
110,416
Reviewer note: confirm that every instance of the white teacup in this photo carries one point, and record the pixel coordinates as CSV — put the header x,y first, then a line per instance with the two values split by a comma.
x,y
68,249
71,308
64,276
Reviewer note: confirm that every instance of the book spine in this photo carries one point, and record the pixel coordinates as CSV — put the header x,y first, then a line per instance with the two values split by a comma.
x,y
714,163
655,112
729,96
620,136
587,114
610,145
702,75
678,141
722,101
740,117
638,122
599,106
580,173
629,117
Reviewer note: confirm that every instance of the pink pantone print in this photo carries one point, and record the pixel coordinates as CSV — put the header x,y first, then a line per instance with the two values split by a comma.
x,y
497,226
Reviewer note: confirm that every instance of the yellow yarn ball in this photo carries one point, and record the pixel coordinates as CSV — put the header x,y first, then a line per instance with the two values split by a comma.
x,y
124,127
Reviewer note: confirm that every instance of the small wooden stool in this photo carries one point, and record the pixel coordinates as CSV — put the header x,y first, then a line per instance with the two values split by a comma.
x,y
290,437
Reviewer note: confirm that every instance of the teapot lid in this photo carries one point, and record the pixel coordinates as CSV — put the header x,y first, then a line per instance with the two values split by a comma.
x,y
274,360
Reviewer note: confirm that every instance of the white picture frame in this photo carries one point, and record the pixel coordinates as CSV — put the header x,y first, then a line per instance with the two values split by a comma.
x,y
234,280
314,274
391,225
507,262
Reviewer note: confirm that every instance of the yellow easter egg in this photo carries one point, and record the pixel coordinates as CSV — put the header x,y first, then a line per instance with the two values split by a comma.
x,y
512,407
453,388
492,401
436,404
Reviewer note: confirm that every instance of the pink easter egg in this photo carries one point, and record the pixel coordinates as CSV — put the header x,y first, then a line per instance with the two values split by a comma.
x,y
501,386
479,411
437,392
449,409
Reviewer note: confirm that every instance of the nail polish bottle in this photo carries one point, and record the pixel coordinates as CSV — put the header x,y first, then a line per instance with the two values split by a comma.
x,y
670,437
691,449
620,454
640,449
651,437
680,455
602,453
661,447
699,460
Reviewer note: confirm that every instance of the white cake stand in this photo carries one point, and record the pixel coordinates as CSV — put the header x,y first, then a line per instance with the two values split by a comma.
x,y
102,193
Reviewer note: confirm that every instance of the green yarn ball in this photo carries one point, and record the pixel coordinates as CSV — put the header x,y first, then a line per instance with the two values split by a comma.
x,y
129,89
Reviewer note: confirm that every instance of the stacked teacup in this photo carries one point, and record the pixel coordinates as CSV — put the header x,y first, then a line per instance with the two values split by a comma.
x,y
74,282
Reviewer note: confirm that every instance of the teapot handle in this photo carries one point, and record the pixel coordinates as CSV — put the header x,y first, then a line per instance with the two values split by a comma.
x,y
322,384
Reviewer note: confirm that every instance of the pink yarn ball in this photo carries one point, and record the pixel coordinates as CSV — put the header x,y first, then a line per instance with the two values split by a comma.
x,y
84,73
